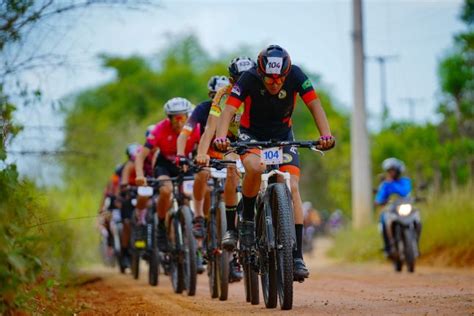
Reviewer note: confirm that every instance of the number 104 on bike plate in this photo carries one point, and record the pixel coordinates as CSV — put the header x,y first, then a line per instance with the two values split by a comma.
x,y
272,156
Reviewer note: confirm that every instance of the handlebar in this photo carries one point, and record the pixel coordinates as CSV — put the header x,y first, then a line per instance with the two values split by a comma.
x,y
275,143
155,181
311,144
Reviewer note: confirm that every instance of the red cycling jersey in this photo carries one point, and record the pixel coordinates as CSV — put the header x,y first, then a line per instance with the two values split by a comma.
x,y
164,138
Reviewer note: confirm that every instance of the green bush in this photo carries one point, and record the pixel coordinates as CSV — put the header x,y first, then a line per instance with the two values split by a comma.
x,y
33,257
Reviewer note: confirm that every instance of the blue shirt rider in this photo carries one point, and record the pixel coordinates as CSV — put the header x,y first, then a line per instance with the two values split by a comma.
x,y
394,183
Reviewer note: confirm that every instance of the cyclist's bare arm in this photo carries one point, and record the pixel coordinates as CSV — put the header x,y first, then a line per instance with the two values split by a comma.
x,y
155,155
224,120
127,169
142,154
208,134
181,143
319,117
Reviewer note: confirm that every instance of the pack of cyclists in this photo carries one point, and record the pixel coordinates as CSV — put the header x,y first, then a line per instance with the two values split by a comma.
x,y
253,103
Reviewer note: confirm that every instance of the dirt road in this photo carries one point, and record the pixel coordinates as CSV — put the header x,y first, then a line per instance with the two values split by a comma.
x,y
333,289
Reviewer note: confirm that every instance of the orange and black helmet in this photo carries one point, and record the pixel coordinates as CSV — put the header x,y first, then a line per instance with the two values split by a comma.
x,y
274,61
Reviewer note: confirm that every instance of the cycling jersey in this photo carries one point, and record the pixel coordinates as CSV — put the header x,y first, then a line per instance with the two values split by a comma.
x,y
269,116
199,116
164,138
218,104
400,187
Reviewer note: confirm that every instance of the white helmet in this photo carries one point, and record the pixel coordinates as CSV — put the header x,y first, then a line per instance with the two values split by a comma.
x,y
178,106
149,129
217,82
393,163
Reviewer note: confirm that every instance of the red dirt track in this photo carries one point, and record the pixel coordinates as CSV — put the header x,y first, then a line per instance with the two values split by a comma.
x,y
332,289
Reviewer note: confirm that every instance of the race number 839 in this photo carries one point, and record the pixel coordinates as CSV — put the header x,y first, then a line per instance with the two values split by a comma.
x,y
272,156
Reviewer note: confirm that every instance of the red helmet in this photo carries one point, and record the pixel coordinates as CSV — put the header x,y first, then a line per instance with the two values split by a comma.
x,y
274,61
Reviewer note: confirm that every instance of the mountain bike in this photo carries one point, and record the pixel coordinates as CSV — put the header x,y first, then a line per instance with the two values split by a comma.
x,y
181,252
144,240
272,254
218,259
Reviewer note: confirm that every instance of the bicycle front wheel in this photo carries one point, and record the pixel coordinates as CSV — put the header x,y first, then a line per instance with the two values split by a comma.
x,y
222,255
267,263
176,260
189,250
282,209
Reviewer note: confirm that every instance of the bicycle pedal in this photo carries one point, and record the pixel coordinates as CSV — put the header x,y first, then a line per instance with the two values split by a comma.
x,y
298,279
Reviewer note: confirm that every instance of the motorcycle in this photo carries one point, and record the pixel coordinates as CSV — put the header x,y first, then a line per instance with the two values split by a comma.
x,y
403,226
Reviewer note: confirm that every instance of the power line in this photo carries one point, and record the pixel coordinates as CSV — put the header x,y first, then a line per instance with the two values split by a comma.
x,y
51,153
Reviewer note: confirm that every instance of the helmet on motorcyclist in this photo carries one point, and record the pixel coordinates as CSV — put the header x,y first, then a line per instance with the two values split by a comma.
x,y
393,164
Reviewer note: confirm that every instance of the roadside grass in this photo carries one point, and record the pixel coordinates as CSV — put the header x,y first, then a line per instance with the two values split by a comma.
x,y
79,209
35,259
447,238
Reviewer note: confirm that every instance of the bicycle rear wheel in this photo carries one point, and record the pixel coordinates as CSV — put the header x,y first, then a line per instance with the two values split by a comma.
x,y
282,209
135,264
250,280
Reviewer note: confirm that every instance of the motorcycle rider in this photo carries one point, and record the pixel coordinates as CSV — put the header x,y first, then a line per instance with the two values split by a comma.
x,y
393,184
269,95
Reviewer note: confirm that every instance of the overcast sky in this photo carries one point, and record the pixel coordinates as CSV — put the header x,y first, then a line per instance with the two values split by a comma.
x,y
317,34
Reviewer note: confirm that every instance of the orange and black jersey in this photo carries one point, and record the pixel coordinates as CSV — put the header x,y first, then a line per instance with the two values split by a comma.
x,y
269,116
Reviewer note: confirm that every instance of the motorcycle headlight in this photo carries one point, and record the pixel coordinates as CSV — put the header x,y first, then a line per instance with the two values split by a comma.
x,y
404,209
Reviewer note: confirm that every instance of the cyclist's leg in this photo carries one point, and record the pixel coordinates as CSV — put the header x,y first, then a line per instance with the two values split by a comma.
x,y
229,240
199,192
251,182
230,192
126,213
291,165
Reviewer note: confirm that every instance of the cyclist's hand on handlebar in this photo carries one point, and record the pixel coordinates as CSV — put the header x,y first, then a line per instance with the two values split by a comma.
x,y
123,190
202,159
326,142
140,181
221,143
182,162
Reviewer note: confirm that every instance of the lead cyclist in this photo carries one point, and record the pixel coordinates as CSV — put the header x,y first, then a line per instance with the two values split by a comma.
x,y
268,93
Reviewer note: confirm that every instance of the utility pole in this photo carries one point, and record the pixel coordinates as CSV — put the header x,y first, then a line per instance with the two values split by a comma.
x,y
382,60
360,158
411,102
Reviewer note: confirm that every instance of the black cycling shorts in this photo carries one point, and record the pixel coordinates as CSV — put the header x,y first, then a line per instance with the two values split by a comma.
x,y
165,167
291,160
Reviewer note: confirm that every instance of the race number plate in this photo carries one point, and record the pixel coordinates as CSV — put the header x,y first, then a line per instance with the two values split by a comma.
x,y
145,191
272,156
188,187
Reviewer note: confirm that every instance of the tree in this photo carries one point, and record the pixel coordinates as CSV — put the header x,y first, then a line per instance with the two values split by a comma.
x,y
456,73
